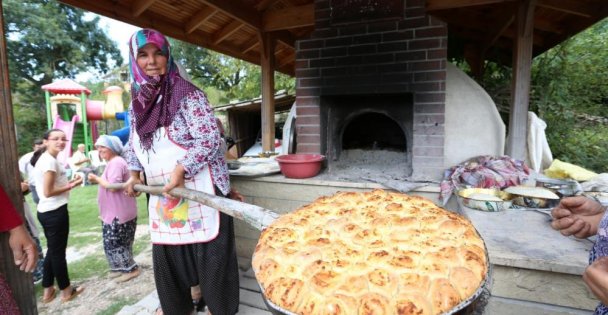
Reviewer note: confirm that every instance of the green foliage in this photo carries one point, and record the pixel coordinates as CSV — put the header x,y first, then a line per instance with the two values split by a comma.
x,y
569,91
47,40
224,78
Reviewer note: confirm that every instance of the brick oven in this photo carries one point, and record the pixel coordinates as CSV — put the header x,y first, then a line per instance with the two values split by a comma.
x,y
372,77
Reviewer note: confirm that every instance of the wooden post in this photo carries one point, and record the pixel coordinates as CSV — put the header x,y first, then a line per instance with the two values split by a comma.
x,y
268,62
520,91
20,282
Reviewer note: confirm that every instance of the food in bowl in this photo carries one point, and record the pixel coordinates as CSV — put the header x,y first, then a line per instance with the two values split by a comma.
x,y
533,197
485,199
352,253
300,165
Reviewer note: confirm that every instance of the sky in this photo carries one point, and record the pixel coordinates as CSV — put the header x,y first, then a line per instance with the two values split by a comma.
x,y
119,32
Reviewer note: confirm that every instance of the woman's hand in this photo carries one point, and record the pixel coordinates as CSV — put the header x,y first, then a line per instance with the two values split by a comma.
x,y
176,180
24,187
24,249
235,195
93,178
578,216
596,278
76,181
130,184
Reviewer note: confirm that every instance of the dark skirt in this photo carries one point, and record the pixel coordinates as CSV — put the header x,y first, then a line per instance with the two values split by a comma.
x,y
118,244
212,265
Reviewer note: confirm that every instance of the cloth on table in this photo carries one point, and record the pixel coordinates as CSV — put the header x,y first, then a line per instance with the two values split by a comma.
x,y
483,171
539,152
564,170
596,183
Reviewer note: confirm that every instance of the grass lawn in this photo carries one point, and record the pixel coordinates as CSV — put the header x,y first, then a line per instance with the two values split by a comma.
x,y
85,230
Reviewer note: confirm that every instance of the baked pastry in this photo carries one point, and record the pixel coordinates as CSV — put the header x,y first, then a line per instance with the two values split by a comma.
x,y
376,252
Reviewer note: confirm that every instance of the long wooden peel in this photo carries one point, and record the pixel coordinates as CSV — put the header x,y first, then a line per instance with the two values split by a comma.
x,y
255,216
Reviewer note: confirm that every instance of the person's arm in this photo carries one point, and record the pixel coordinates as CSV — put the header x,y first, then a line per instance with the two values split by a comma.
x,y
114,173
129,154
596,278
80,158
203,128
48,184
134,179
579,216
20,242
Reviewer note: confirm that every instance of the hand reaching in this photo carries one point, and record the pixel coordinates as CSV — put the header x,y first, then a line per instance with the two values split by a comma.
x,y
130,185
578,216
92,178
76,181
176,180
596,278
235,195
24,249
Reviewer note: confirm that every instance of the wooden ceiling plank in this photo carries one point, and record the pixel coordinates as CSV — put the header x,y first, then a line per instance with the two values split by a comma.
x,y
499,28
264,4
292,17
568,6
228,30
140,6
433,5
122,13
251,44
199,19
237,12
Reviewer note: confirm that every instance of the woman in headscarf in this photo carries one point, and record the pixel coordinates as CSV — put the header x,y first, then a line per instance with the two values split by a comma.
x,y
174,139
118,212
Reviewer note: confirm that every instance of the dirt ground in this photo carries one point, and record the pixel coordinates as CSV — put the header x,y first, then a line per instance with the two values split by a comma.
x,y
101,292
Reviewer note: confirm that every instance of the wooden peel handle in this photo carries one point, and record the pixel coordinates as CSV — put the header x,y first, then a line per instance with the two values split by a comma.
x,y
255,216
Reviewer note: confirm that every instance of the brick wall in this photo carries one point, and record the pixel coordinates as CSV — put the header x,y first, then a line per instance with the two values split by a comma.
x,y
405,55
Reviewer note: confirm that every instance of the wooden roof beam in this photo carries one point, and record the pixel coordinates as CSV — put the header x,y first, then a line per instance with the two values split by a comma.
x,y
199,19
228,30
498,29
264,4
140,6
251,44
292,17
569,6
433,5
237,12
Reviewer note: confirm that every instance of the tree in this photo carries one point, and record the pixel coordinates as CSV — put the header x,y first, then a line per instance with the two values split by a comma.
x,y
235,79
48,40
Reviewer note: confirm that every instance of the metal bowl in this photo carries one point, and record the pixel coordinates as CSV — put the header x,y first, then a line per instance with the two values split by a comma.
x,y
485,199
562,187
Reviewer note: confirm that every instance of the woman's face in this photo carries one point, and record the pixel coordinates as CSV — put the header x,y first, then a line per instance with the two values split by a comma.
x,y
105,153
56,142
151,59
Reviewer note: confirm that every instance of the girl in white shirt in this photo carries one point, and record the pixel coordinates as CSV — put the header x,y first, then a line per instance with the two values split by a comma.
x,y
53,189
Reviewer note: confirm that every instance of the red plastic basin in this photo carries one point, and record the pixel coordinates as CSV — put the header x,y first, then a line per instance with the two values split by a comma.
x,y
300,165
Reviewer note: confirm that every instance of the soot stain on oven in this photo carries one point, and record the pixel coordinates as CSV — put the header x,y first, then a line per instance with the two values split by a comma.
x,y
367,137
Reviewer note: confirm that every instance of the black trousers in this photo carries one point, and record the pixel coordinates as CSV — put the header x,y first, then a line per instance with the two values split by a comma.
x,y
56,226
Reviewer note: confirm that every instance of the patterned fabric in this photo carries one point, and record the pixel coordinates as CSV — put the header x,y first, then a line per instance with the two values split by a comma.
x,y
118,245
483,172
176,221
600,249
193,128
155,99
8,306
212,265
37,273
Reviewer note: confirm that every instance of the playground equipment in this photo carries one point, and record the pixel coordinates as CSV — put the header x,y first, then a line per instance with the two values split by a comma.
x,y
70,110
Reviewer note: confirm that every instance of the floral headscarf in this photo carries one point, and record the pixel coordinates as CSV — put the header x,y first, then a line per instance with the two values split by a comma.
x,y
155,99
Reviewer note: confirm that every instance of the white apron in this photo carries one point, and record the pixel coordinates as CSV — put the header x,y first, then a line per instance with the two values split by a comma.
x,y
175,221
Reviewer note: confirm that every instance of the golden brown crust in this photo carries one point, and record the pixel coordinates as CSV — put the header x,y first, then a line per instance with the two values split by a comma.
x,y
370,253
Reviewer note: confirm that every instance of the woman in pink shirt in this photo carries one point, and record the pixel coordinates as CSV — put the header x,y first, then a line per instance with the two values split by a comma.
x,y
118,212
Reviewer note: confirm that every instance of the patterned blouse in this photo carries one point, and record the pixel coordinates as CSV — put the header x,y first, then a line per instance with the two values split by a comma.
x,y
193,128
